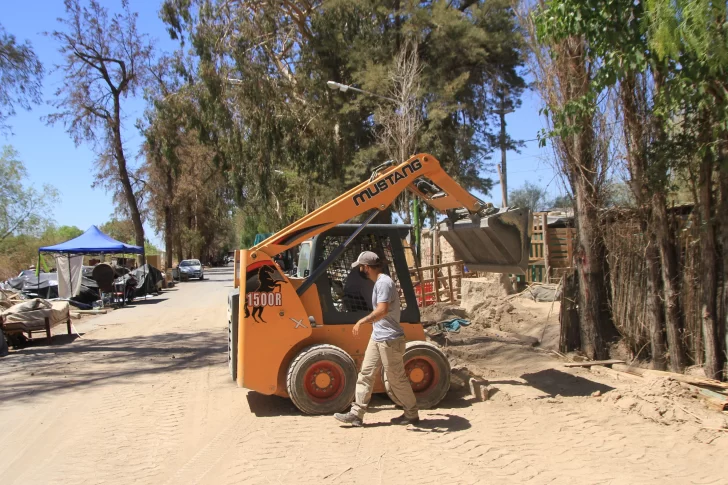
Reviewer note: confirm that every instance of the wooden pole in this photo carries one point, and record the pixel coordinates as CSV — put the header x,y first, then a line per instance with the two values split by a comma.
x,y
546,247
449,277
422,287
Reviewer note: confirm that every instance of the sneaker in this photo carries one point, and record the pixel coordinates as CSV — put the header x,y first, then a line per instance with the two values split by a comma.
x,y
349,418
405,420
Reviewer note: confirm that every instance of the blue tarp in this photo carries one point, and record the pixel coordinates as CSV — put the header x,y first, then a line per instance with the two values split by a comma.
x,y
93,241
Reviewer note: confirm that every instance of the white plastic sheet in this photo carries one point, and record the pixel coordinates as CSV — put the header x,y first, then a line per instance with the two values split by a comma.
x,y
69,275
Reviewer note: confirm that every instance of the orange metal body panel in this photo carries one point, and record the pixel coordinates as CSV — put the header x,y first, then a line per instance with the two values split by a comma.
x,y
265,339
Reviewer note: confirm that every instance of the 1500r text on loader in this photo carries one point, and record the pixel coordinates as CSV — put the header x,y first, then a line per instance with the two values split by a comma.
x,y
291,336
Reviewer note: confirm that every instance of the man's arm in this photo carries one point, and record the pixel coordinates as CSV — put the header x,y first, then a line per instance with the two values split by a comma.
x,y
379,312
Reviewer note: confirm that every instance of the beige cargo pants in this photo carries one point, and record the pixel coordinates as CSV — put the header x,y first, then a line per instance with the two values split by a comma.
x,y
390,354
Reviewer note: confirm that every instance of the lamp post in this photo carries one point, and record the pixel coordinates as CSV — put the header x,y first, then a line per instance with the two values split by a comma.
x,y
345,87
415,203
502,169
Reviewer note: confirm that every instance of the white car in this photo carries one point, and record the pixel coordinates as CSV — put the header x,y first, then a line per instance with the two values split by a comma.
x,y
192,268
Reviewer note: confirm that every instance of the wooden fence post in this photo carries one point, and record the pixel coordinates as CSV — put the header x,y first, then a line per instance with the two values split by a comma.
x,y
547,266
449,277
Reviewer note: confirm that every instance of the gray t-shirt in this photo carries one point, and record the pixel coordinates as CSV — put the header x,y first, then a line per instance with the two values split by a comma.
x,y
387,328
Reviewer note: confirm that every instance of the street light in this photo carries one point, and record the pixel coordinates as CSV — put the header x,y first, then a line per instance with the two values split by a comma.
x,y
415,206
345,87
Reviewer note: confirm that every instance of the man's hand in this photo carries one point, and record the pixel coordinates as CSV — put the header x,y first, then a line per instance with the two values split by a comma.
x,y
379,312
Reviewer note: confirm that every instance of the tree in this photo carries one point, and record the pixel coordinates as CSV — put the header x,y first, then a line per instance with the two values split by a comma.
x,y
66,233
120,229
691,34
529,196
561,202
281,116
105,60
21,74
23,209
581,137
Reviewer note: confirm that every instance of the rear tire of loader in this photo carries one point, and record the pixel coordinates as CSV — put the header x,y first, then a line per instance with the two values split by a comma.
x,y
322,380
429,372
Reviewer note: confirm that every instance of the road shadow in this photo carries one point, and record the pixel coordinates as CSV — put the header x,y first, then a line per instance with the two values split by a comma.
x,y
270,406
32,372
41,342
553,382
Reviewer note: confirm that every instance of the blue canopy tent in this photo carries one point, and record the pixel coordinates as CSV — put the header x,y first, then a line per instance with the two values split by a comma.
x,y
93,241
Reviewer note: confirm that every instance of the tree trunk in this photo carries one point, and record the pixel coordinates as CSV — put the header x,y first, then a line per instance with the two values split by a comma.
x,y
579,156
709,255
723,219
670,281
569,339
131,201
633,99
168,217
168,232
178,245
655,307
590,256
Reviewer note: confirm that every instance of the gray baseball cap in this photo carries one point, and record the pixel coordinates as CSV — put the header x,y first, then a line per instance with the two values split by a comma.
x,y
368,258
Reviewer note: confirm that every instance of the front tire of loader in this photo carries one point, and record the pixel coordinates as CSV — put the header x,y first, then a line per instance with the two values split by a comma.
x,y
429,373
322,380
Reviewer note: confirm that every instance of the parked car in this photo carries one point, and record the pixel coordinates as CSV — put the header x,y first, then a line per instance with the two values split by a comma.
x,y
192,268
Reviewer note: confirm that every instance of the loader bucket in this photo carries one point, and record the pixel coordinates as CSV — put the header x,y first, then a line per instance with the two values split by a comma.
x,y
498,243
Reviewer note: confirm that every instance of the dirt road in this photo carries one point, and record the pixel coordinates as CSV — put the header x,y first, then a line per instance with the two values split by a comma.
x,y
145,397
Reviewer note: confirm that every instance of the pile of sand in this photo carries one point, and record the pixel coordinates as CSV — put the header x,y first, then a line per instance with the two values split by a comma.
x,y
664,401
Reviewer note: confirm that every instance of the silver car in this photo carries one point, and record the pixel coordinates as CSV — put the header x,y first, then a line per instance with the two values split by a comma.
x,y
192,268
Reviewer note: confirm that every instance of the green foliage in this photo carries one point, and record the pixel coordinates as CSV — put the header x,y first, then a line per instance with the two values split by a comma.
x,y
119,229
528,196
279,116
150,249
63,233
23,209
21,74
561,202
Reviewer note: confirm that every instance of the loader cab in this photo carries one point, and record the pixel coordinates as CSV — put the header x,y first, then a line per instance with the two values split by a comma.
x,y
385,240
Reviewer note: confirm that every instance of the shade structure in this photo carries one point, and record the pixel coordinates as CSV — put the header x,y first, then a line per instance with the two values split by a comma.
x,y
93,241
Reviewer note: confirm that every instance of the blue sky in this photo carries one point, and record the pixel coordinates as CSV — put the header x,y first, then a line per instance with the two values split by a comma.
x,y
52,158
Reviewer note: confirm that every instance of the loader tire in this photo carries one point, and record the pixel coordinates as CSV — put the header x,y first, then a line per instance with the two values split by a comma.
x,y
322,380
429,372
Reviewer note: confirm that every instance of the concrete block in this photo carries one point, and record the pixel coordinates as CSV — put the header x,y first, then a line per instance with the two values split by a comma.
x,y
479,389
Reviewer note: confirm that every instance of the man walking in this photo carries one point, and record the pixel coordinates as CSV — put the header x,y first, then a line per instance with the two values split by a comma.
x,y
386,347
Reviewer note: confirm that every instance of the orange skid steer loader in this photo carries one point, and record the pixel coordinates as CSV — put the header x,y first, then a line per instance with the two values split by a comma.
x,y
291,335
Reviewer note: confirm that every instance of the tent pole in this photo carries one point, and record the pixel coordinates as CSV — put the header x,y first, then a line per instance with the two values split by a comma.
x,y
70,276
37,273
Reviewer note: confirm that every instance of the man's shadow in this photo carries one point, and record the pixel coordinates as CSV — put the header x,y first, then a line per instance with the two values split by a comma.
x,y
433,423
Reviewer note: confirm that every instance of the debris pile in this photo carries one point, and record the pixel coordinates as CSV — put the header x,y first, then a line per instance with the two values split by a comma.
x,y
667,397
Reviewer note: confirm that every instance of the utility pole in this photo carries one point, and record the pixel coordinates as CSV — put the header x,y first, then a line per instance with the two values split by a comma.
x,y
502,167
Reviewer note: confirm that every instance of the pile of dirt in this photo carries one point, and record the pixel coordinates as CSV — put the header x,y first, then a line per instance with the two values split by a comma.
x,y
440,312
664,401
520,316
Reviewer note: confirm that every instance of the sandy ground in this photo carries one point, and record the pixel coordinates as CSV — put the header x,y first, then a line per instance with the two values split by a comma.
x,y
145,397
